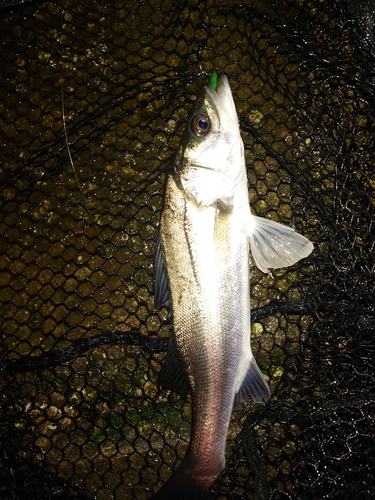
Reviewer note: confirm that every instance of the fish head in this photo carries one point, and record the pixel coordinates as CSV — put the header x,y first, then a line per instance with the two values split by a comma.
x,y
210,161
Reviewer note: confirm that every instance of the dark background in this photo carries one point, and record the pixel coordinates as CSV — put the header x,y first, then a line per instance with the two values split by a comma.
x,y
93,101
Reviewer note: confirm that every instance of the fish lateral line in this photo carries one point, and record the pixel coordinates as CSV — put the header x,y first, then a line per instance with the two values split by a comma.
x,y
205,281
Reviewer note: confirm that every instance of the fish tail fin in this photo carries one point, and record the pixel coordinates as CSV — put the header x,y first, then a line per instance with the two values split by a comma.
x,y
274,245
181,487
254,386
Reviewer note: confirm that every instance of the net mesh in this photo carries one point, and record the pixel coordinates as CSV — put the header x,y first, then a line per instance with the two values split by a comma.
x,y
93,99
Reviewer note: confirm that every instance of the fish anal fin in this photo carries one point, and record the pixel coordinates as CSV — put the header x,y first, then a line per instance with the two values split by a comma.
x,y
254,386
274,245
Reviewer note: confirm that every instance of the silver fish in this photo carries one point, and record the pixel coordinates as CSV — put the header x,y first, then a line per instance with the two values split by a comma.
x,y
202,272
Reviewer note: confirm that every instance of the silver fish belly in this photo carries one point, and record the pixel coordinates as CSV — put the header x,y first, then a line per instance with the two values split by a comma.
x,y
206,228
207,260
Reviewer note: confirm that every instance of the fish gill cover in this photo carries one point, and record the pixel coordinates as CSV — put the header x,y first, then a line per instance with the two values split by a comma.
x,y
94,98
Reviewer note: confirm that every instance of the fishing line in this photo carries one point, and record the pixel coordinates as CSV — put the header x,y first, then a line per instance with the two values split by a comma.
x,y
71,161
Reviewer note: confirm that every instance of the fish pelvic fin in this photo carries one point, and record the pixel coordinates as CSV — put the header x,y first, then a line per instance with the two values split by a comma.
x,y
274,245
254,386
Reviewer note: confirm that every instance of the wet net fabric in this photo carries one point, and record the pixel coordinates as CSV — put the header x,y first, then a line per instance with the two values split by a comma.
x,y
93,101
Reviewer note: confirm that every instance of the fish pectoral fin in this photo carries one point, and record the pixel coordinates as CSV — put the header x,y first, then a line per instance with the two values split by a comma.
x,y
274,245
254,386
172,375
161,284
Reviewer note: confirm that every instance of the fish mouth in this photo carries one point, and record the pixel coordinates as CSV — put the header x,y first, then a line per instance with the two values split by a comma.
x,y
223,99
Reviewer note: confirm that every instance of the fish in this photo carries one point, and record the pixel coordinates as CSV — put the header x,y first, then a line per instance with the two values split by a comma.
x,y
201,273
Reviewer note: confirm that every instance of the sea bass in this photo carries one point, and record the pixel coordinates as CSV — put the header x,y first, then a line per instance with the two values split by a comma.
x,y
202,273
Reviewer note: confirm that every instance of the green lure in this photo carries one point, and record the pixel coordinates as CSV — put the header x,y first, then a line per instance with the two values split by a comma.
x,y
213,81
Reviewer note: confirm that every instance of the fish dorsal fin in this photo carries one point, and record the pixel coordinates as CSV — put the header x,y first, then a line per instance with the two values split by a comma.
x,y
161,285
172,375
253,385
274,245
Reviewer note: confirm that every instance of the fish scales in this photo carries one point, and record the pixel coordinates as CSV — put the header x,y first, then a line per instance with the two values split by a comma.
x,y
205,250
206,228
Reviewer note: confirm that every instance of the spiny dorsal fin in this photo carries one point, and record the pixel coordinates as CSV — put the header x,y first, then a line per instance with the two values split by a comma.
x,y
161,285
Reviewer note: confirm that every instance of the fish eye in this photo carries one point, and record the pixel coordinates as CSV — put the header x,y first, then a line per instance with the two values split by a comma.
x,y
200,125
